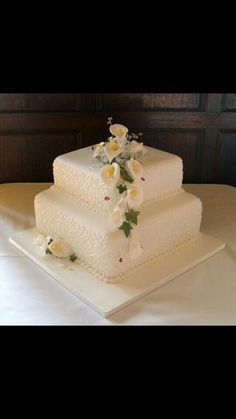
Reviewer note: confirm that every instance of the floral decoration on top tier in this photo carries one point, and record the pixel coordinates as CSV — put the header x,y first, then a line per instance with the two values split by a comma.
x,y
122,170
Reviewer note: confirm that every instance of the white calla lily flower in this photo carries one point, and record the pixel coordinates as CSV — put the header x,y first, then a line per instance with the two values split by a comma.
x,y
135,147
135,168
122,205
116,218
99,149
134,195
135,248
112,149
60,248
120,132
110,174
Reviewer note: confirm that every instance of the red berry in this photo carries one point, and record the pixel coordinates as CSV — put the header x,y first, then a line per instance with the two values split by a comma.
x,y
142,178
107,198
120,260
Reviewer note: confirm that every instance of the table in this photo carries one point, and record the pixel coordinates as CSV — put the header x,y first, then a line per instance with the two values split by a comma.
x,y
205,295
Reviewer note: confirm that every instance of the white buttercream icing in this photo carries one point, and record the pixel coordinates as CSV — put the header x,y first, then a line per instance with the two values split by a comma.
x,y
162,225
78,174
76,208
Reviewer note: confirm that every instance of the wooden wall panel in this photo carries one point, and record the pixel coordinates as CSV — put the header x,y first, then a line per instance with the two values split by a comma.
x,y
225,157
90,136
229,102
36,102
150,101
219,162
26,158
186,144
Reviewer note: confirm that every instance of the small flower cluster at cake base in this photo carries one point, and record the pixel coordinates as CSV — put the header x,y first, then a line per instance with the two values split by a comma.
x,y
57,247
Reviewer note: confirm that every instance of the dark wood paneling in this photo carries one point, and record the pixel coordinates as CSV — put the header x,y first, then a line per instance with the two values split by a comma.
x,y
150,101
36,102
219,163
214,102
186,144
229,102
210,150
89,102
26,158
91,136
74,121
226,157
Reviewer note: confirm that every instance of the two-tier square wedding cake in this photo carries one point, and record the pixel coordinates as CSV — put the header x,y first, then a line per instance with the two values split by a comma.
x,y
117,206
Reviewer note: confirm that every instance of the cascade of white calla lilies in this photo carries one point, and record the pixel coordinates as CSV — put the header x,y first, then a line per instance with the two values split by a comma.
x,y
121,167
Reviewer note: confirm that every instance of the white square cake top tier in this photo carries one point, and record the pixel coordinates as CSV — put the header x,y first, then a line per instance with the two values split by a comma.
x,y
78,174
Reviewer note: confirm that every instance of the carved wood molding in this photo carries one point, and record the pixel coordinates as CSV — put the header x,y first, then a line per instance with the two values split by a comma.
x,y
74,121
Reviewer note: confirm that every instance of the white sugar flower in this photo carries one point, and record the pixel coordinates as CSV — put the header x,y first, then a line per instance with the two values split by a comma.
x,y
122,204
134,195
99,149
116,218
135,248
110,174
135,147
60,248
40,240
135,168
119,131
112,149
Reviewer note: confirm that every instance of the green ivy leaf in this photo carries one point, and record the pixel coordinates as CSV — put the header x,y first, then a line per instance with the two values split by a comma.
x,y
126,227
73,257
122,158
125,174
131,216
121,188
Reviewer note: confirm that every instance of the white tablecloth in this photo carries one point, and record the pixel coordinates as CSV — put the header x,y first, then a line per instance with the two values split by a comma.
x,y
204,295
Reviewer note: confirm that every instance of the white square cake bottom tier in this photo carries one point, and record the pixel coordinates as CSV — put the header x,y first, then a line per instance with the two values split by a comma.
x,y
161,227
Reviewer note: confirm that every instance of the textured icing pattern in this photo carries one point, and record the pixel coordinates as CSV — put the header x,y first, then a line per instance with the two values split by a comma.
x,y
99,209
85,186
162,226
78,175
139,266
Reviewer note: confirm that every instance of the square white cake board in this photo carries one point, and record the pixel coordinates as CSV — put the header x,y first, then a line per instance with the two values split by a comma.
x,y
107,298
